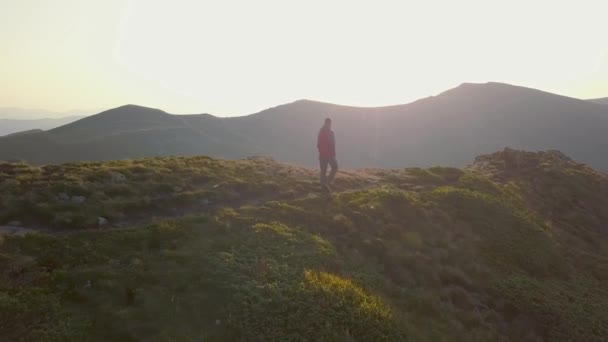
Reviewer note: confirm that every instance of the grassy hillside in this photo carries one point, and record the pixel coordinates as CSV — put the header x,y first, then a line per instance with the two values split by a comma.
x,y
127,132
513,248
449,129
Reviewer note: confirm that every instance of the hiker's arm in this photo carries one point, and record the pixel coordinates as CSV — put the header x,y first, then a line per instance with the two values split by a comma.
x,y
319,140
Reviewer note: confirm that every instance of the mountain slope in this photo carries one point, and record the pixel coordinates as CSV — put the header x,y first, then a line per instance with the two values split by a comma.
x,y
448,129
124,132
513,248
600,101
10,126
14,113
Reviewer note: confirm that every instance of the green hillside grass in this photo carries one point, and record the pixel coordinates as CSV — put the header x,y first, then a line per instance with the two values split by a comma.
x,y
511,249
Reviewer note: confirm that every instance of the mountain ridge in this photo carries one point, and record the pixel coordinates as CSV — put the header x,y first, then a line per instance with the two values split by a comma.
x,y
17,113
11,126
603,100
448,129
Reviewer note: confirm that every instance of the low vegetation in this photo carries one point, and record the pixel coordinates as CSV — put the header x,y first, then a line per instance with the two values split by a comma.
x,y
510,249
75,196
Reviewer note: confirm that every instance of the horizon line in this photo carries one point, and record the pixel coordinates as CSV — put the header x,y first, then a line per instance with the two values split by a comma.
x,y
69,113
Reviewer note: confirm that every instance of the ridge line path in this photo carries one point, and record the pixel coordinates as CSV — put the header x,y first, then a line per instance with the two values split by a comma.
x,y
137,223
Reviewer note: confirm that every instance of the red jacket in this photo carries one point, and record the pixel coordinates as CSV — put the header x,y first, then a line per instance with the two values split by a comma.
x,y
326,143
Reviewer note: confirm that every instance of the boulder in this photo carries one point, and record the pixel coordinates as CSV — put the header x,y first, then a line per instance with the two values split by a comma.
x,y
63,196
78,199
61,219
117,177
11,230
102,221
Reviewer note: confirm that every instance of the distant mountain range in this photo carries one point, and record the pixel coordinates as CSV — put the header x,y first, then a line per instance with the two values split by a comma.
x,y
448,129
15,113
9,126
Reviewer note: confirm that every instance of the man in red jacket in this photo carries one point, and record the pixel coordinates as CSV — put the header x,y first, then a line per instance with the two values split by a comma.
x,y
326,143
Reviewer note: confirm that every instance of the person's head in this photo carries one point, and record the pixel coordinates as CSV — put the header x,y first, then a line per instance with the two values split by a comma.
x,y
328,123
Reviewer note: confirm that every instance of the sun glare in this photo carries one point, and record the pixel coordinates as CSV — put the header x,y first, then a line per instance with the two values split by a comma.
x,y
237,57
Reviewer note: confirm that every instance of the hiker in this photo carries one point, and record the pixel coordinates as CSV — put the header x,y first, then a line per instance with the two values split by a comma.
x,y
326,143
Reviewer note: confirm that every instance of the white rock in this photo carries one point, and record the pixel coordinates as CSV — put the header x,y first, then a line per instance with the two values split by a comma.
x,y
102,221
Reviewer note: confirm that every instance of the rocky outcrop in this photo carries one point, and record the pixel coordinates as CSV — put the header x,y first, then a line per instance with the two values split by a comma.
x,y
117,177
510,163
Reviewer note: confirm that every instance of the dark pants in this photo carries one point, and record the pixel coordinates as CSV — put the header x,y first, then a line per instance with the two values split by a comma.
x,y
334,168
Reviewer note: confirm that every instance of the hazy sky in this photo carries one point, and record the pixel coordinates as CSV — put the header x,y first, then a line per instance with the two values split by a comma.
x,y
238,57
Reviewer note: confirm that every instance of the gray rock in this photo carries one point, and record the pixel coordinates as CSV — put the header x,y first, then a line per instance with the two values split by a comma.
x,y
61,219
15,223
205,201
178,189
10,230
79,199
102,221
63,196
117,177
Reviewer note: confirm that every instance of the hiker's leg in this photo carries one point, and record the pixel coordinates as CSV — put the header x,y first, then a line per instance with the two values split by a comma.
x,y
323,163
334,168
